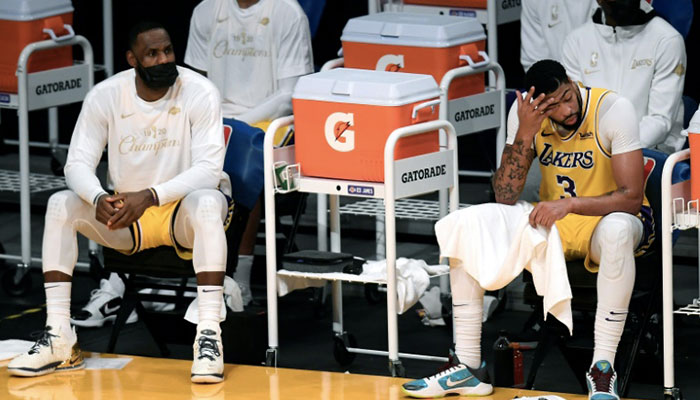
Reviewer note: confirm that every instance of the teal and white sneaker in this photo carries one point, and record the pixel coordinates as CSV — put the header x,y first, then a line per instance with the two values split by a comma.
x,y
602,382
458,379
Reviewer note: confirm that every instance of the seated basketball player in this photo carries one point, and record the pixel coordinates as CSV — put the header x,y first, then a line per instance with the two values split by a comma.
x,y
587,143
163,128
254,51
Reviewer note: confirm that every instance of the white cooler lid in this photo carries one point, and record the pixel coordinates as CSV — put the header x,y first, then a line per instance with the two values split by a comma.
x,y
29,10
361,86
407,29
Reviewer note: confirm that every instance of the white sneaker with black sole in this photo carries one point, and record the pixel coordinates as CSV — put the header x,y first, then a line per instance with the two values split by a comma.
x,y
53,351
103,307
208,360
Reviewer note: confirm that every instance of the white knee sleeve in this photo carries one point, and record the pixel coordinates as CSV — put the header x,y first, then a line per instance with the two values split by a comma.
x,y
613,243
203,210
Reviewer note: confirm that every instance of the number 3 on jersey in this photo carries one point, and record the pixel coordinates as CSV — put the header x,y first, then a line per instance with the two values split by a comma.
x,y
567,184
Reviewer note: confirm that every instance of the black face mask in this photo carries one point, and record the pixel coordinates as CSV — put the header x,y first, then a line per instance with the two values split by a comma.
x,y
623,12
158,76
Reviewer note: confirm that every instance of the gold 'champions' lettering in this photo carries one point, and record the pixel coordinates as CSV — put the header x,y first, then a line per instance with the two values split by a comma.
x,y
150,139
566,160
131,143
222,49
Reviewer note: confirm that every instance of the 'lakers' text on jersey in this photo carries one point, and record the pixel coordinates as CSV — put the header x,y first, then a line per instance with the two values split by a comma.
x,y
575,164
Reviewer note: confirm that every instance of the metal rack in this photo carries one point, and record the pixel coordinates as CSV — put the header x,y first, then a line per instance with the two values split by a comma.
x,y
678,212
390,191
494,99
28,98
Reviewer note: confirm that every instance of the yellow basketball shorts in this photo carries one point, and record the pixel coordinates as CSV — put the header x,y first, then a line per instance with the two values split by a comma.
x,y
576,231
156,227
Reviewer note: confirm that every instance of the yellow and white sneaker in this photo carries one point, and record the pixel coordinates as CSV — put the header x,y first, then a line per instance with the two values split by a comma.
x,y
208,362
53,351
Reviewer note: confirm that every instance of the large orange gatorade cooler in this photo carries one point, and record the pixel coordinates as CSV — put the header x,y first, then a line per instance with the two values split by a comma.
x,y
23,22
449,3
416,43
343,117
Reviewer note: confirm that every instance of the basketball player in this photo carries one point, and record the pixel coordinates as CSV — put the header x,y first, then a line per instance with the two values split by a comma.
x,y
587,143
163,128
627,47
254,51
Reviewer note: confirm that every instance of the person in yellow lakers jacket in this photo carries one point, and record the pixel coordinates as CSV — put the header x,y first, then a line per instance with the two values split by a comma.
x,y
592,192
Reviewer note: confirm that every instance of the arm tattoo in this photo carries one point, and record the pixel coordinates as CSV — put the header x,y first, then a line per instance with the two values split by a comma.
x,y
510,178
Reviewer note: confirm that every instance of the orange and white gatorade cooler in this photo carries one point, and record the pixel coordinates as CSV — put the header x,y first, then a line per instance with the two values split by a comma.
x,y
343,117
25,21
449,3
416,43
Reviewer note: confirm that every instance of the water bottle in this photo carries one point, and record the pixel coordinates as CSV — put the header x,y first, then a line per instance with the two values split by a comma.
x,y
518,368
502,361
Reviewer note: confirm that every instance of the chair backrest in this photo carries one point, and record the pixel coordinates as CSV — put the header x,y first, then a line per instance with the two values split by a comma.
x,y
678,13
653,166
244,161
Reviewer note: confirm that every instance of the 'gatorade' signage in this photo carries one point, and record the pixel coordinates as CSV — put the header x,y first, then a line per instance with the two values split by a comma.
x,y
508,4
59,86
424,173
390,63
509,11
475,113
339,131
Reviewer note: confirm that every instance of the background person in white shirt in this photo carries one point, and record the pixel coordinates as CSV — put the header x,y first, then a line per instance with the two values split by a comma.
x,y
254,51
162,126
627,48
544,25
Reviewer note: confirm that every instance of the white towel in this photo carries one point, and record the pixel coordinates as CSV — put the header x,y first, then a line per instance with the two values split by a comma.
x,y
495,242
412,279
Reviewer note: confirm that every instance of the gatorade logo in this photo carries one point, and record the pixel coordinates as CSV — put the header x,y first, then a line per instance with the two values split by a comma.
x,y
340,134
390,63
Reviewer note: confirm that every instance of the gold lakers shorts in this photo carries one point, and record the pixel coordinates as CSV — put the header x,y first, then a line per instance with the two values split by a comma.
x,y
576,231
156,227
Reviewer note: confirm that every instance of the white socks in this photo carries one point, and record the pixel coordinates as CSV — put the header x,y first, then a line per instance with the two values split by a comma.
x,y
609,324
58,306
468,309
467,326
210,299
242,277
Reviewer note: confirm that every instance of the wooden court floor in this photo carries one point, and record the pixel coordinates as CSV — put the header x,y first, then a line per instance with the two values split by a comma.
x,y
157,378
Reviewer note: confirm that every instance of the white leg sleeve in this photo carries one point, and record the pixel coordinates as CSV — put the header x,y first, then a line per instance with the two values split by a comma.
x,y
199,226
67,214
468,308
612,247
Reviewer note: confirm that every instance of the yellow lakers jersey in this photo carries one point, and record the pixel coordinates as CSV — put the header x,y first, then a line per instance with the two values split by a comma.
x,y
576,165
